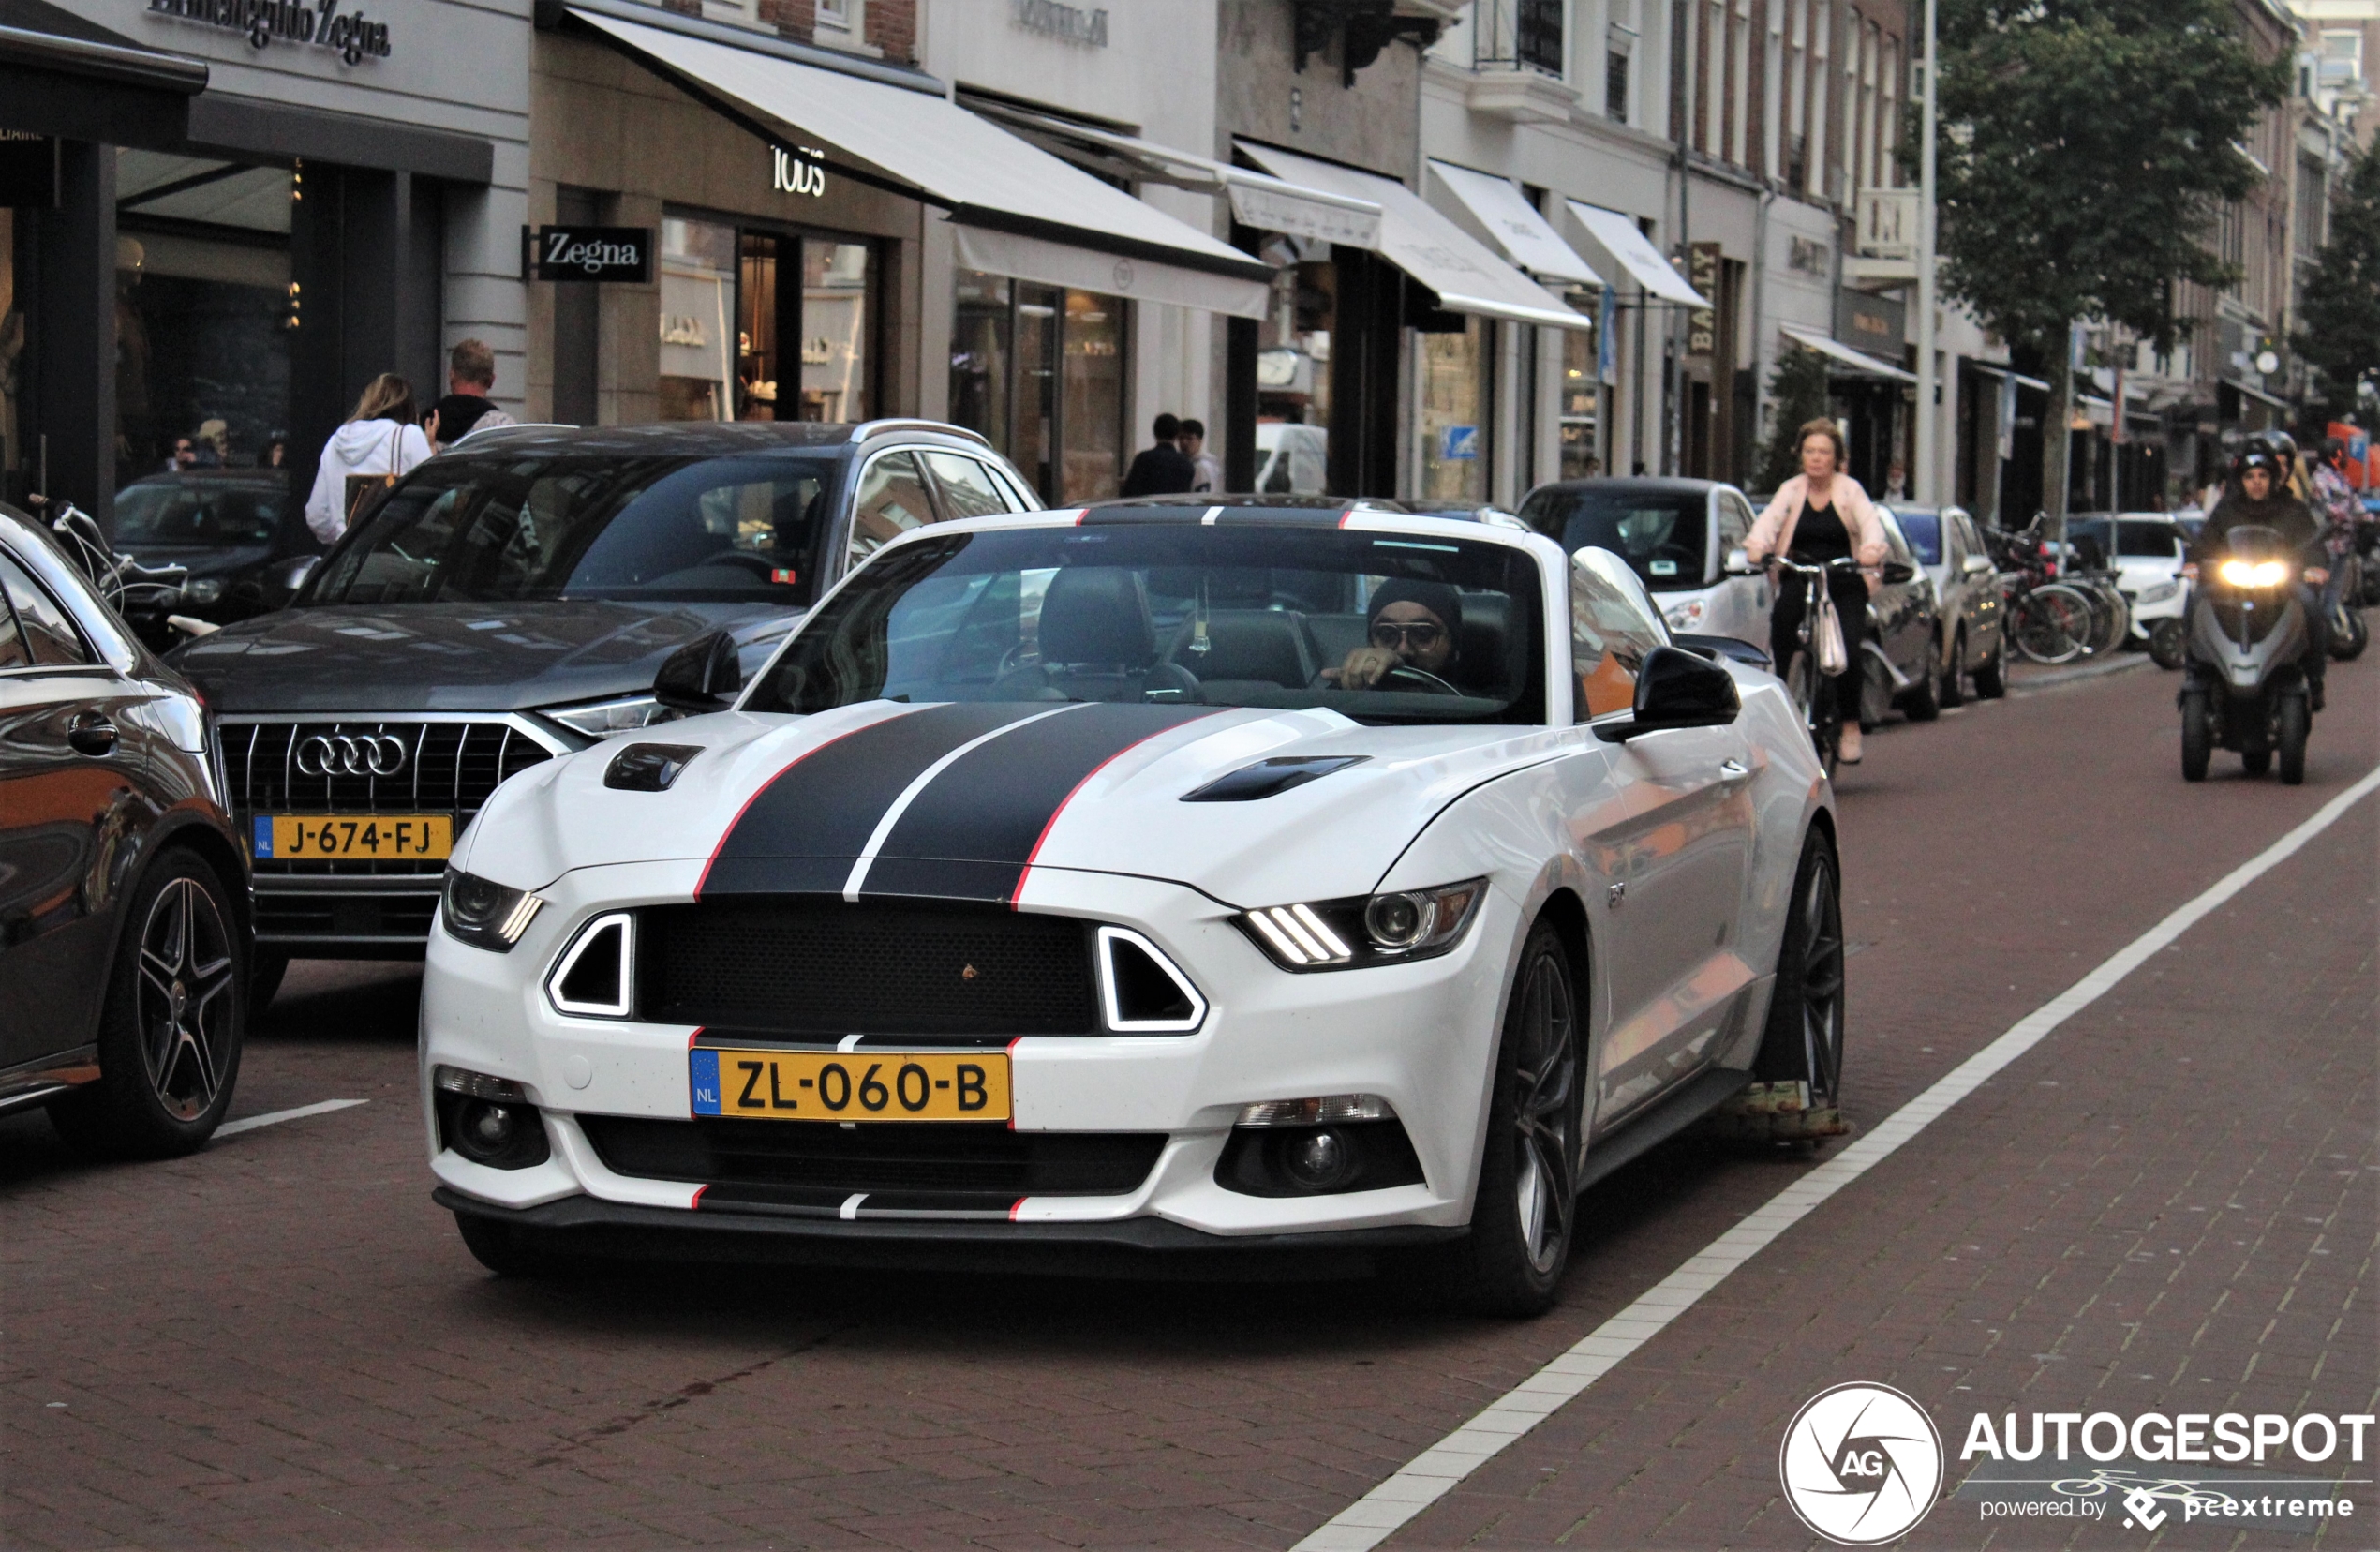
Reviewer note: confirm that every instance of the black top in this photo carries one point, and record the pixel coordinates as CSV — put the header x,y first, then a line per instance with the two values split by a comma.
x,y
2281,512
1819,536
1163,469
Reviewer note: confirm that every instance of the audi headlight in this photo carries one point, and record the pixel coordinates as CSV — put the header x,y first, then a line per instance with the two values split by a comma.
x,y
1382,929
483,912
1687,615
2157,592
602,719
2254,573
202,590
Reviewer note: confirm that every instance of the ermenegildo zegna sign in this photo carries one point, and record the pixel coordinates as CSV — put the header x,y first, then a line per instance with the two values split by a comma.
x,y
588,253
354,36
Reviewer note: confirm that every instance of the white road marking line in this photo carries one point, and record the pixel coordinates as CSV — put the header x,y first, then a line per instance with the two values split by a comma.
x,y
925,779
1433,1473
273,1118
851,1206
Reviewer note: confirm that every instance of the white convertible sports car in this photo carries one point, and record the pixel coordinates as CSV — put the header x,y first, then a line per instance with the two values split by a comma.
x,y
1092,887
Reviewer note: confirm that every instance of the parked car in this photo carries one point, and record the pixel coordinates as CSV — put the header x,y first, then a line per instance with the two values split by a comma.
x,y
1676,535
1039,902
2148,550
1905,664
1292,460
237,531
1969,602
508,601
123,890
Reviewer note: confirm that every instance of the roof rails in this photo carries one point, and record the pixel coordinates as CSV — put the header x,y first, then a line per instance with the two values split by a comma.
x,y
867,429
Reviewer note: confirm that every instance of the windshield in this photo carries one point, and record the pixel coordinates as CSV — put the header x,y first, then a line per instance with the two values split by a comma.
x,y
1924,531
497,530
1662,535
1382,628
219,515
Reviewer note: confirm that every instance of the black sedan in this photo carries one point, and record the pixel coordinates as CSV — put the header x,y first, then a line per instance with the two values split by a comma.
x,y
124,890
511,600
235,531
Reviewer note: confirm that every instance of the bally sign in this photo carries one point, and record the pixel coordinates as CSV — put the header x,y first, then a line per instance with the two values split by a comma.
x,y
590,253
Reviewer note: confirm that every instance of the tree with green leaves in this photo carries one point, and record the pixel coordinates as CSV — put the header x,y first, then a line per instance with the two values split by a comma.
x,y
1797,394
2339,317
2086,149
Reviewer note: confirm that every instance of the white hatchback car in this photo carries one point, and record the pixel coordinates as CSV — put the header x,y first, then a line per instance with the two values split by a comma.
x,y
1055,890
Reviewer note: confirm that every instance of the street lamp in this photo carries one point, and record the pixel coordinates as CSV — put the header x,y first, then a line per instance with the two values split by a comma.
x,y
1928,405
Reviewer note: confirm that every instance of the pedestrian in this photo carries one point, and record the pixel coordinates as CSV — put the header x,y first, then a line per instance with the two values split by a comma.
x,y
1896,481
276,451
470,374
1161,469
1594,470
1208,468
378,443
184,458
214,444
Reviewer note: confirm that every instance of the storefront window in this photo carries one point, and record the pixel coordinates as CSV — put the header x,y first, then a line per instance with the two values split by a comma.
x,y
1582,400
834,331
1455,410
982,340
1095,397
1036,389
1293,369
698,285
758,359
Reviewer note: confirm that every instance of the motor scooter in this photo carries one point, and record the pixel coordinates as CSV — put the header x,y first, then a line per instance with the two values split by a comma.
x,y
2242,686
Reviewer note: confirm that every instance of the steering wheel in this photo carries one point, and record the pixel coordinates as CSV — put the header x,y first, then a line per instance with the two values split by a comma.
x,y
759,563
1428,682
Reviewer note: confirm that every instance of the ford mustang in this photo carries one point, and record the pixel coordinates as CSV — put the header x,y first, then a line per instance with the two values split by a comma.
x,y
1110,885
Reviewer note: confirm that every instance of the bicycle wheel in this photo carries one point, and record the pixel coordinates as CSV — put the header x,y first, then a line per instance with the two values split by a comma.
x,y
2053,623
2114,618
1814,698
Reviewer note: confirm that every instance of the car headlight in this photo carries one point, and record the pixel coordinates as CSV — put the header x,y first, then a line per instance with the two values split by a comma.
x,y
602,719
1382,929
202,590
2254,573
1685,617
483,912
2157,592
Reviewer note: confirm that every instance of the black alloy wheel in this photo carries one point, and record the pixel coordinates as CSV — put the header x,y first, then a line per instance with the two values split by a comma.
x,y
1924,703
1955,677
1804,1041
177,1015
1523,1220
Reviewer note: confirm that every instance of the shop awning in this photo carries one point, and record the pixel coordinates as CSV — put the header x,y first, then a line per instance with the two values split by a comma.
x,y
1856,362
41,36
1465,274
1514,224
2036,384
1045,213
1258,199
2257,394
1616,235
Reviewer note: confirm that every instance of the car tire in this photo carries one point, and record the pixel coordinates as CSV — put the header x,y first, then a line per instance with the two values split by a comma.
x,y
174,1021
1526,1209
1923,702
504,1248
1955,680
1991,675
1804,1039
2168,641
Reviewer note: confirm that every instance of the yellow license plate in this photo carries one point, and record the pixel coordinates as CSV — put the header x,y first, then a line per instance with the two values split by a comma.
x,y
373,837
849,1085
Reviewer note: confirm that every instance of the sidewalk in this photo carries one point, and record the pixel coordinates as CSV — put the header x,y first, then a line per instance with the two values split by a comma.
x,y
2023,675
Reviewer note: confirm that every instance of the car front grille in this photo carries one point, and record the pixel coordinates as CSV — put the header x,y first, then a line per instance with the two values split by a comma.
x,y
957,1164
450,768
811,966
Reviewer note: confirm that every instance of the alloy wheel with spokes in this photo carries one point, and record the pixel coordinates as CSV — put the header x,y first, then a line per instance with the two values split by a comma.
x,y
1804,1041
1545,1112
184,999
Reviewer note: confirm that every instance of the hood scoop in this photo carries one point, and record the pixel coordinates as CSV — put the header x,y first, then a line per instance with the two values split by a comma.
x,y
1270,778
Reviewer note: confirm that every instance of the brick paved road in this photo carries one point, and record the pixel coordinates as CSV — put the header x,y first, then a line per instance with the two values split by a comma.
x,y
2170,1203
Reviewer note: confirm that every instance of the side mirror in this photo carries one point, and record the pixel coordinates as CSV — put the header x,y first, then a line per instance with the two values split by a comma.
x,y
284,581
1676,688
702,676
1738,563
1976,565
1897,572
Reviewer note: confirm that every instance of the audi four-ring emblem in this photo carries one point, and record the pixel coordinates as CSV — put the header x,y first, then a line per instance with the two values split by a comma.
x,y
350,754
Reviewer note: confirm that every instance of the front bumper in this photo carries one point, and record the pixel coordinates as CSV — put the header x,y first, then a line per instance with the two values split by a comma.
x,y
1421,1035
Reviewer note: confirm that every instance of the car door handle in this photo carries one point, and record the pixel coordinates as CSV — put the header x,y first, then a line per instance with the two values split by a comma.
x,y
91,735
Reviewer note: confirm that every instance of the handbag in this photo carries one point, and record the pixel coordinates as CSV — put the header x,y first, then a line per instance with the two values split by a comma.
x,y
361,489
1832,658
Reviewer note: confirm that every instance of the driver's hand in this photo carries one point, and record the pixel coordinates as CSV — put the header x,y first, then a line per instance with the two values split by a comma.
x,y
2318,575
1365,667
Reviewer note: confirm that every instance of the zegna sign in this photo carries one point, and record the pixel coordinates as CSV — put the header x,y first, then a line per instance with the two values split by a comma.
x,y
354,37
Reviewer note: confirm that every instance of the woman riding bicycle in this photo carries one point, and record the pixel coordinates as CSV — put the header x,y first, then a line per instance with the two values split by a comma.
x,y
1822,514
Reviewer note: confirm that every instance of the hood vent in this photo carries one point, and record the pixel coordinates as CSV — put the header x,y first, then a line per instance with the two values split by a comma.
x,y
648,767
1270,778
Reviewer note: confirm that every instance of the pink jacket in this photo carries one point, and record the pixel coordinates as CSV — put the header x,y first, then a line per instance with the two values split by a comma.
x,y
1774,534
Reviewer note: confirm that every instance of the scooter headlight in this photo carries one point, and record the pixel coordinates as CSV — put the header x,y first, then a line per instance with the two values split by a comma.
x,y
2254,573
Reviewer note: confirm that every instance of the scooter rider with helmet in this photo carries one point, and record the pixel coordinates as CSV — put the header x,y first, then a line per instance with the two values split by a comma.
x,y
2259,496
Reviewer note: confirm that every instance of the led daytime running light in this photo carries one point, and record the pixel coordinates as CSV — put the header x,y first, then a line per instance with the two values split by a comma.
x,y
1324,1110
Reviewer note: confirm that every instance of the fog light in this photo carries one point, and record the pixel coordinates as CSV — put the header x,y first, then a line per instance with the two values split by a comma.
x,y
488,1129
488,1120
1317,1161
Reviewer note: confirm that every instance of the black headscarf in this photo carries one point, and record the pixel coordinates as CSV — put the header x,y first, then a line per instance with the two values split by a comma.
x,y
1436,597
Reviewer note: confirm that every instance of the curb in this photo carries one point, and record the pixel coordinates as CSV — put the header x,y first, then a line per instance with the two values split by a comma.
x,y
2123,661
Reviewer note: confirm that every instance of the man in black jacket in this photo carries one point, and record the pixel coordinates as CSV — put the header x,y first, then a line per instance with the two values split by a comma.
x,y
1162,469
2258,497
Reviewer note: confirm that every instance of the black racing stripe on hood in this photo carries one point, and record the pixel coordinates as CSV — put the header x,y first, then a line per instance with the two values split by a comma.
x,y
969,835
803,830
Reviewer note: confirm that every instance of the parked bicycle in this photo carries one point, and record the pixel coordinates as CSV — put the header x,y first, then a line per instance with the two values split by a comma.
x,y
119,580
2049,620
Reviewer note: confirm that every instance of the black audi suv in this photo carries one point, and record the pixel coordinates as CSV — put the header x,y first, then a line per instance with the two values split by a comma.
x,y
511,600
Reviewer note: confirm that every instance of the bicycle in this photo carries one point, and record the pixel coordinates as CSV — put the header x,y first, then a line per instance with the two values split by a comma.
x,y
2048,620
1817,701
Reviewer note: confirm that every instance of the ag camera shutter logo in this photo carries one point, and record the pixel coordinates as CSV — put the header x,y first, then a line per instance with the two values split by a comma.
x,y
1860,1464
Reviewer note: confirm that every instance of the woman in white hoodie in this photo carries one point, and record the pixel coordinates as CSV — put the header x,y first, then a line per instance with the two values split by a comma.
x,y
378,442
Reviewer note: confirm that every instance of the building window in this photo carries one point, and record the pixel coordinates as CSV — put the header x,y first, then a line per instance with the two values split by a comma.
x,y
1457,410
1581,398
834,331
1540,35
734,329
1519,34
1039,371
698,299
1615,86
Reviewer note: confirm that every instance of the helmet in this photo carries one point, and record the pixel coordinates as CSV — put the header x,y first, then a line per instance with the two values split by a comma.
x,y
2258,452
2284,447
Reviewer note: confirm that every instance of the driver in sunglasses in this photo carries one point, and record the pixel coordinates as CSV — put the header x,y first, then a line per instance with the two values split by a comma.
x,y
1414,625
